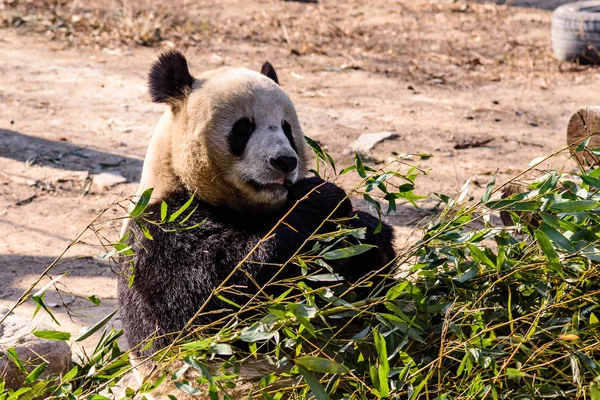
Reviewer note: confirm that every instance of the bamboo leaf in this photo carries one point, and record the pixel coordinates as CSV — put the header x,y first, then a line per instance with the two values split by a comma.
x,y
163,211
181,209
90,331
315,386
141,204
323,365
52,335
549,251
36,373
347,252
575,206
383,368
488,190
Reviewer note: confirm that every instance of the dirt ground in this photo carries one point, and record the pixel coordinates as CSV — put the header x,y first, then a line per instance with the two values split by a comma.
x,y
74,104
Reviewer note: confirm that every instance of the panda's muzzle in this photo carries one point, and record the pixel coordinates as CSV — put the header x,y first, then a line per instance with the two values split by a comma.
x,y
283,184
284,164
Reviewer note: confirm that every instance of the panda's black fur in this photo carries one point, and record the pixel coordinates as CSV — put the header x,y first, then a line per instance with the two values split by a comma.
x,y
268,70
176,272
169,78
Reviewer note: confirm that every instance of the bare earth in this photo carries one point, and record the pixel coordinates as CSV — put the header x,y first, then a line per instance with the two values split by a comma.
x,y
433,72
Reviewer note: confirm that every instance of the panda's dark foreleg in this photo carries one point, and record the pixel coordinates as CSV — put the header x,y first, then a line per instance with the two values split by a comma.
x,y
378,261
318,200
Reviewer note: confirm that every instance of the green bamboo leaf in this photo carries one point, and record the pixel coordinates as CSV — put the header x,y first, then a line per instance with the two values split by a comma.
x,y
513,373
331,162
230,302
163,211
39,300
575,206
595,389
315,386
149,387
593,182
480,256
184,207
347,252
14,357
52,335
557,238
71,374
360,167
90,331
549,251
323,365
198,345
348,169
267,380
383,368
35,374
488,190
377,206
142,203
404,287
17,394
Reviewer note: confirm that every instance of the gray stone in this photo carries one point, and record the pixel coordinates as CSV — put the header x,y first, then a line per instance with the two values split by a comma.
x,y
106,180
367,141
15,332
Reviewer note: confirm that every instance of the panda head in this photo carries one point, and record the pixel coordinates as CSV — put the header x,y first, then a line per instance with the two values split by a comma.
x,y
234,136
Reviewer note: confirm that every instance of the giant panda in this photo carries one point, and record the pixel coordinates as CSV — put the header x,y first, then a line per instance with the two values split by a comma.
x,y
230,140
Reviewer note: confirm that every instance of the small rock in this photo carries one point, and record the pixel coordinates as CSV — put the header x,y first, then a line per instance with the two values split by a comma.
x,y
106,180
15,332
367,141
21,179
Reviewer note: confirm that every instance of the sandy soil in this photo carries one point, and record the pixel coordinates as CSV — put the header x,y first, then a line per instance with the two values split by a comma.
x,y
73,104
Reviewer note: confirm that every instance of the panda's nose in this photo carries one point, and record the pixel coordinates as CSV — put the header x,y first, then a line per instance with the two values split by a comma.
x,y
284,163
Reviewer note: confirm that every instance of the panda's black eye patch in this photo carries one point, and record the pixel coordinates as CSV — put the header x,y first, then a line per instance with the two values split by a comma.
x,y
287,130
240,134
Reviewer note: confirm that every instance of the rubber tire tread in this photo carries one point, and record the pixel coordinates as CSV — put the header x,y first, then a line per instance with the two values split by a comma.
x,y
576,32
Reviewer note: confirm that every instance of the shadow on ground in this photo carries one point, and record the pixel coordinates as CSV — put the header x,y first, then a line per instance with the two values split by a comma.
x,y
19,268
63,155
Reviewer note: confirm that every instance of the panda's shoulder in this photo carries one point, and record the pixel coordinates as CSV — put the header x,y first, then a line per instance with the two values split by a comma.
x,y
177,218
181,219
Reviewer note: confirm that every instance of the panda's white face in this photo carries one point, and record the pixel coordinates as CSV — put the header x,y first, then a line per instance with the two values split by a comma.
x,y
261,142
267,159
251,133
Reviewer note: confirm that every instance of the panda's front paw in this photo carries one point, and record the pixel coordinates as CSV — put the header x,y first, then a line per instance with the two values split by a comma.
x,y
321,195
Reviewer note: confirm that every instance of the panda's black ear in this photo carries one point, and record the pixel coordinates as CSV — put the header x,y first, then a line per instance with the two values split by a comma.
x,y
269,71
169,80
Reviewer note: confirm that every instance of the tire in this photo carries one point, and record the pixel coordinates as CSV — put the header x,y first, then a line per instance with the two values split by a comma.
x,y
576,32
